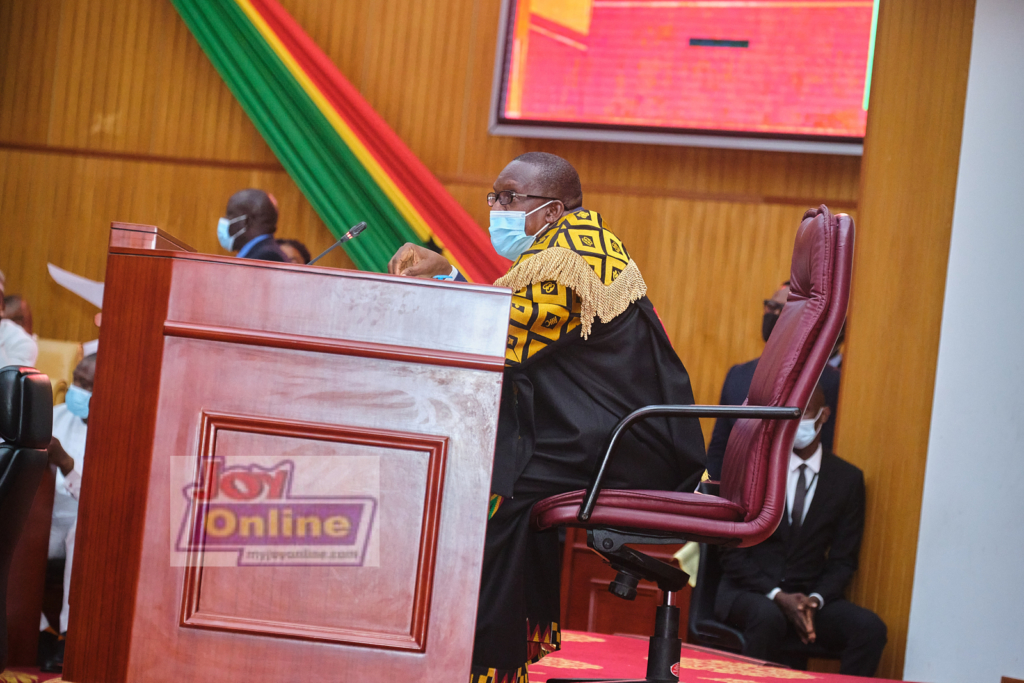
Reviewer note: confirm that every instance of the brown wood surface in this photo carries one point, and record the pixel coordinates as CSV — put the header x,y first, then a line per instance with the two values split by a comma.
x,y
263,391
121,426
27,579
903,230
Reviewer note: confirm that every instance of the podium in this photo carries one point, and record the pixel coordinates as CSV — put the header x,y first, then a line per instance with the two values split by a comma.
x,y
287,472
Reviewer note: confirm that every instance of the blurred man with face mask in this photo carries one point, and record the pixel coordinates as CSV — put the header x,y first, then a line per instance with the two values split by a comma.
x,y
792,585
737,386
584,349
248,227
17,347
67,453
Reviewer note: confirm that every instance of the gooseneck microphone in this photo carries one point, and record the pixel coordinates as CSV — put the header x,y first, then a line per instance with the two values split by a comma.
x,y
352,232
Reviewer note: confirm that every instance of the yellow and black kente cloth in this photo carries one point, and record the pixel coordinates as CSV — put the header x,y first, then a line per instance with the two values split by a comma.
x,y
585,348
573,272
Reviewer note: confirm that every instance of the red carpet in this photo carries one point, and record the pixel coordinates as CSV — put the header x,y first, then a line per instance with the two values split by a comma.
x,y
595,655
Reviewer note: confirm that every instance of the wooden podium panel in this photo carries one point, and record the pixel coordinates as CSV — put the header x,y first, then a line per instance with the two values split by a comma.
x,y
289,472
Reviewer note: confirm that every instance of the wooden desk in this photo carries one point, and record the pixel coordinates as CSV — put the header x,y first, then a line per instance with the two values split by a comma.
x,y
206,358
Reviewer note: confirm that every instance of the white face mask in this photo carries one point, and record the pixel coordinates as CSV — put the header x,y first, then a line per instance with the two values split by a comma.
x,y
807,430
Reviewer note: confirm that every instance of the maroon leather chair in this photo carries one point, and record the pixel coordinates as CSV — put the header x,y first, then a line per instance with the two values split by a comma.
x,y
751,499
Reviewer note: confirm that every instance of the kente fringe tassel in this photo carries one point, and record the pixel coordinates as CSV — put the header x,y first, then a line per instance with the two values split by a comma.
x,y
571,270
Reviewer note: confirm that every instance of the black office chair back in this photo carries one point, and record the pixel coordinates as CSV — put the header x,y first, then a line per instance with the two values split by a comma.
x,y
26,423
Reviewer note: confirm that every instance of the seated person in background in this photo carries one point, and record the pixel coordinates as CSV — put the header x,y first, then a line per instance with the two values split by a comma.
x,y
248,226
568,380
17,347
16,309
295,251
67,451
794,581
737,386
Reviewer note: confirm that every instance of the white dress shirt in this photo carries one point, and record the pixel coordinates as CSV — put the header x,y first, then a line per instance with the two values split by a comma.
x,y
810,473
17,347
70,430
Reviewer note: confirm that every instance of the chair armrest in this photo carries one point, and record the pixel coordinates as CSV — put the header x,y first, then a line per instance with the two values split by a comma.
x,y
754,412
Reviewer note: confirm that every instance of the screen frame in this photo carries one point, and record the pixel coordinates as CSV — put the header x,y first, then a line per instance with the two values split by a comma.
x,y
772,142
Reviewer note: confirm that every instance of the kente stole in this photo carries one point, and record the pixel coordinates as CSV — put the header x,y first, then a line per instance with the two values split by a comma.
x,y
574,272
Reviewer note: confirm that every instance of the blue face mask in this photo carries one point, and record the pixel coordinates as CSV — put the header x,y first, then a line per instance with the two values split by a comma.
x,y
224,236
77,401
508,232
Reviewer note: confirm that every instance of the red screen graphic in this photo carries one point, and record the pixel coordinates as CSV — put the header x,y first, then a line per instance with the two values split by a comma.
x,y
762,66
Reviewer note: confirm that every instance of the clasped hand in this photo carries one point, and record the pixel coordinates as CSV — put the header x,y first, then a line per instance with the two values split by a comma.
x,y
412,260
800,611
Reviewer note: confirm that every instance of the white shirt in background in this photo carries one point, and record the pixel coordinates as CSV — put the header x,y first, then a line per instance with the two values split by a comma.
x,y
811,481
17,347
70,430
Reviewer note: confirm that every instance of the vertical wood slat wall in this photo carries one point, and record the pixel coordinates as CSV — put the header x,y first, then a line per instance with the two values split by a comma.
x,y
905,217
109,110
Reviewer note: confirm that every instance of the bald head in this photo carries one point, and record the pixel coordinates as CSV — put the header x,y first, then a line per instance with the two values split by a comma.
x,y
259,211
554,177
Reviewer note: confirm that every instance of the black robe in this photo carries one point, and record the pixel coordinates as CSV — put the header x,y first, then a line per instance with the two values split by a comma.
x,y
557,411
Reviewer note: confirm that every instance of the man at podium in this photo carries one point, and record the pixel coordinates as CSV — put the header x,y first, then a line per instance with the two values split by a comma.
x,y
585,347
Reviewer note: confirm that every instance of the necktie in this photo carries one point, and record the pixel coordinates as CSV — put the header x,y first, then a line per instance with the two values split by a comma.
x,y
798,500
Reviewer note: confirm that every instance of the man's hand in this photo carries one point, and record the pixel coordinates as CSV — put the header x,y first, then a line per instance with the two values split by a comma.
x,y
799,609
56,455
810,609
412,260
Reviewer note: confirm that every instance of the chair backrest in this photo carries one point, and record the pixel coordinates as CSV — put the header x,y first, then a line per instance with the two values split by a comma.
x,y
26,407
26,421
756,457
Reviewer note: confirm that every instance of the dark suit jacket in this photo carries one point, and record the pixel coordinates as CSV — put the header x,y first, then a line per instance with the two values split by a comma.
x,y
734,393
267,250
821,558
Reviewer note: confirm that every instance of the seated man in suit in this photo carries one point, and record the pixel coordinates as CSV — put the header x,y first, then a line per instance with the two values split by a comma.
x,y
737,386
248,226
568,380
794,581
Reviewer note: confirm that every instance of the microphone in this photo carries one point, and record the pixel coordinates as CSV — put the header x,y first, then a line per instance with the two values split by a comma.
x,y
352,232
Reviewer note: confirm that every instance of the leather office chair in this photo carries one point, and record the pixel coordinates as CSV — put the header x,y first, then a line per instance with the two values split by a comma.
x,y
26,422
752,494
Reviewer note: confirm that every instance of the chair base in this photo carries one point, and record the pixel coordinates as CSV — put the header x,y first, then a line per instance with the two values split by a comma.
x,y
663,651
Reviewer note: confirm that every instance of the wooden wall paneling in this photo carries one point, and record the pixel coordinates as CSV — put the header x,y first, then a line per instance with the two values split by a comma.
x,y
427,70
904,221
54,207
26,69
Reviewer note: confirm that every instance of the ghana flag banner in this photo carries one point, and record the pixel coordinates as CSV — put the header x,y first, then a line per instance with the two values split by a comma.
x,y
343,156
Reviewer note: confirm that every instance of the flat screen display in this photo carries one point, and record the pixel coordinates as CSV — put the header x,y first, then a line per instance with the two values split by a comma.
x,y
785,69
